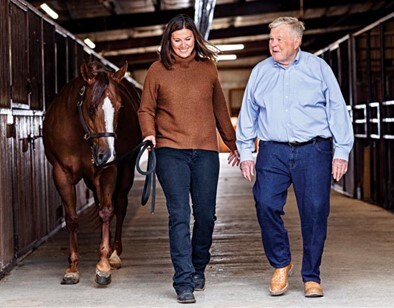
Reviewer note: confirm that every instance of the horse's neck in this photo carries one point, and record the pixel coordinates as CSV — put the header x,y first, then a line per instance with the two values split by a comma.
x,y
65,103
73,90
132,93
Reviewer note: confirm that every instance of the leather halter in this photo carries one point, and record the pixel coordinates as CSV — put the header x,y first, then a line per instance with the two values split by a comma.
x,y
88,134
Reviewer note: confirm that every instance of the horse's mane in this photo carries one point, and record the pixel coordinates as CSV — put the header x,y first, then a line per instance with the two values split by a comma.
x,y
101,75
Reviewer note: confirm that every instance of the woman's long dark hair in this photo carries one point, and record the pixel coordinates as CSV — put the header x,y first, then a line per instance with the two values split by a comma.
x,y
179,22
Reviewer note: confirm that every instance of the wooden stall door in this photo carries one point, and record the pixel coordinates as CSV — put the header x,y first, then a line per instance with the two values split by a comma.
x,y
6,215
29,178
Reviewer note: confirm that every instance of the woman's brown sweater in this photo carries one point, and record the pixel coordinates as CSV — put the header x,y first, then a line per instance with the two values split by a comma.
x,y
183,106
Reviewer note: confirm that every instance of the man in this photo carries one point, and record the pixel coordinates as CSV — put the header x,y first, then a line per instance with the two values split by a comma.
x,y
294,106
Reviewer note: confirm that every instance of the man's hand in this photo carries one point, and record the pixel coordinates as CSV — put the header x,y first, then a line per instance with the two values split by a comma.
x,y
247,169
339,168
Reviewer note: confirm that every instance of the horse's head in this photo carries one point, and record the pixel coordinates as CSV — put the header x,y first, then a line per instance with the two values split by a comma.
x,y
100,102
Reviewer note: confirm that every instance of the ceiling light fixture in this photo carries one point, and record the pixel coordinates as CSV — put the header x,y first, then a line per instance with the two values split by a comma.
x,y
49,11
89,43
230,47
226,57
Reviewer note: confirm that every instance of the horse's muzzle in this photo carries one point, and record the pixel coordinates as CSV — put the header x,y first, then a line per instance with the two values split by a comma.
x,y
102,158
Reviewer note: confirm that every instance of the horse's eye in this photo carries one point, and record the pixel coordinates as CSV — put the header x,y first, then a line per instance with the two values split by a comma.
x,y
91,110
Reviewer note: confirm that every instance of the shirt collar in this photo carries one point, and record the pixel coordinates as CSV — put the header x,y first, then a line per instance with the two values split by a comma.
x,y
296,60
298,56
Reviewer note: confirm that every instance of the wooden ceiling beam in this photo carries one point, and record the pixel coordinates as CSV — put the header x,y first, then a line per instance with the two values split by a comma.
x,y
126,21
252,49
312,25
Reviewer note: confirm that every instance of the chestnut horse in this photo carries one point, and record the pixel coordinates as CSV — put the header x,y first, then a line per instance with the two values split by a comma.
x,y
91,121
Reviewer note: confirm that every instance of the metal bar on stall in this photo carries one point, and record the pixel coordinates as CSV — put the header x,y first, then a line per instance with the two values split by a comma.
x,y
388,119
362,120
375,121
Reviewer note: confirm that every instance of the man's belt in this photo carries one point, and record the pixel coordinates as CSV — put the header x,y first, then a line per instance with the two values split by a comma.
x,y
298,144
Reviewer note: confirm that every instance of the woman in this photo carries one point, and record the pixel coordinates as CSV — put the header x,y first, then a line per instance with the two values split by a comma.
x,y
182,105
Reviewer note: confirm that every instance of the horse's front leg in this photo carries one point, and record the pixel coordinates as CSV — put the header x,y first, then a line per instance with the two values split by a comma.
x,y
117,247
104,192
103,267
71,274
125,182
68,196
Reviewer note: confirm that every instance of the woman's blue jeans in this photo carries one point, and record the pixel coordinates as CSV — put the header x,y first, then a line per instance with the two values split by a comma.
x,y
308,168
184,173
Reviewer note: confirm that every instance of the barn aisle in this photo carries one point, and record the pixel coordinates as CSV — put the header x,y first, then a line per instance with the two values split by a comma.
x,y
357,266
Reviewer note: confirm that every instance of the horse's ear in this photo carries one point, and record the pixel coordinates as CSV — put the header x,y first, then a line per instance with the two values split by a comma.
x,y
87,74
119,74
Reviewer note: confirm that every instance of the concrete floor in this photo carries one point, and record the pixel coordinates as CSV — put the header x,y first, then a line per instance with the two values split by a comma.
x,y
357,269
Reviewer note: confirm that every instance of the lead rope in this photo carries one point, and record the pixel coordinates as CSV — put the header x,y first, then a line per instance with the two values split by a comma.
x,y
150,174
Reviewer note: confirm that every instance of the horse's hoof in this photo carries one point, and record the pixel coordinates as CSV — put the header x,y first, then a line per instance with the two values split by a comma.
x,y
102,278
103,281
70,278
115,261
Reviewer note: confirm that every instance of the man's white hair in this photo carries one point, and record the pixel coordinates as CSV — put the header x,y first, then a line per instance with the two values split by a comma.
x,y
296,25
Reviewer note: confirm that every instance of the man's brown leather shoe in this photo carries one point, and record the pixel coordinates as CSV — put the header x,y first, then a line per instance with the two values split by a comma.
x,y
313,289
279,282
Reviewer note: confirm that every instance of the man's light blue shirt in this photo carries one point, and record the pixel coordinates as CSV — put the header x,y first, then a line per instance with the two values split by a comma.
x,y
293,104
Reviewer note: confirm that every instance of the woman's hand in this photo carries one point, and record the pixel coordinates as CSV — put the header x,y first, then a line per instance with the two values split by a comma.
x,y
152,139
233,158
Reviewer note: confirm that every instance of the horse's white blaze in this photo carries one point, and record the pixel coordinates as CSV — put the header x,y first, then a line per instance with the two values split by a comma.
x,y
109,113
